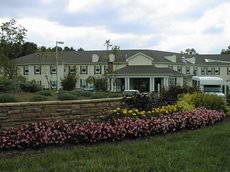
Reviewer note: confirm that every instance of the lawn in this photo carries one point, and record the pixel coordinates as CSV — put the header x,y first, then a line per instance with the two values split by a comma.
x,y
206,149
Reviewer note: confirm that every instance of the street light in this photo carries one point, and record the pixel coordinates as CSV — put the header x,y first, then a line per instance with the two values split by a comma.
x,y
57,42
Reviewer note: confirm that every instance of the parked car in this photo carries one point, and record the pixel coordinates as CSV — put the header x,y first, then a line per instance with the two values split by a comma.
x,y
129,93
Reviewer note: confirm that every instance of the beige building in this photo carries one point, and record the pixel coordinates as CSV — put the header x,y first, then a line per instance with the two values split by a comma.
x,y
145,70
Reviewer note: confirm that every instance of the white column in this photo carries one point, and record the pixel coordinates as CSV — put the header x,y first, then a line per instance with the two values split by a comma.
x,y
111,83
151,84
166,82
127,84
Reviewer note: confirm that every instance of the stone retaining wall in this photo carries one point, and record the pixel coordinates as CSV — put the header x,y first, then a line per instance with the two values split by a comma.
x,y
15,114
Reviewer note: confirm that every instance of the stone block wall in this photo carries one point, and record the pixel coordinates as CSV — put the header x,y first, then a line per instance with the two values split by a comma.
x,y
15,114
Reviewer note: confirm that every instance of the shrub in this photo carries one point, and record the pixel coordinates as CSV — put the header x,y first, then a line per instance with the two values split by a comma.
x,y
99,95
30,87
45,93
69,82
170,95
142,102
4,98
209,101
67,96
8,85
185,101
38,97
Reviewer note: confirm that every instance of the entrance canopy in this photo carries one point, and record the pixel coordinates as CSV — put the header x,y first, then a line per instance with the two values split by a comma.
x,y
144,78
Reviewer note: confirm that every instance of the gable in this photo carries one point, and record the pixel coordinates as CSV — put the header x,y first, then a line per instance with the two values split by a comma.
x,y
139,59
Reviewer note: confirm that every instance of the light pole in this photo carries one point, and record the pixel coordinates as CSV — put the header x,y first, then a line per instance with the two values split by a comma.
x,y
57,42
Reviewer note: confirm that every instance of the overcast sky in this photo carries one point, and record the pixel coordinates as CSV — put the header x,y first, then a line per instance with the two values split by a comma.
x,y
167,25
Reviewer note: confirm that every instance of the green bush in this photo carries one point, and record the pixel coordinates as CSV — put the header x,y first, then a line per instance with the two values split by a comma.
x,y
185,102
67,96
86,94
8,85
45,93
209,101
171,94
99,95
69,82
4,98
38,97
30,87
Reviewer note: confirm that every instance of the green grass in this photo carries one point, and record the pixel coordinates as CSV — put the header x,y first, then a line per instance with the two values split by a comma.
x,y
206,149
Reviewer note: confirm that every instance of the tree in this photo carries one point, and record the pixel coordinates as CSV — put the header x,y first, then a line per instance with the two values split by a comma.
x,y
190,51
29,48
11,40
69,49
226,51
69,82
80,49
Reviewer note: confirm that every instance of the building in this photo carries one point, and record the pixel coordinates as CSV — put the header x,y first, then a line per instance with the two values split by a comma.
x,y
145,70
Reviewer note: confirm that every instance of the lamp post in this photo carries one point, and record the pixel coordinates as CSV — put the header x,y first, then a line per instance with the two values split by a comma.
x,y
57,42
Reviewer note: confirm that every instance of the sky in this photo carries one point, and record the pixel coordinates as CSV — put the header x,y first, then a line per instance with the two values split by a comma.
x,y
165,25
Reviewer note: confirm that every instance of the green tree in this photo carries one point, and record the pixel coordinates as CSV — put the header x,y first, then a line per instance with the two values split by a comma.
x,y
190,51
29,48
69,49
69,82
226,51
12,38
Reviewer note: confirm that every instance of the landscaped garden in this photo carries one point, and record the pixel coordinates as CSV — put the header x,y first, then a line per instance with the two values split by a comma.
x,y
141,116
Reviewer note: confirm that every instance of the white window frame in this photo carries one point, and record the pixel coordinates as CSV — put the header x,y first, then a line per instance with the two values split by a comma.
x,y
97,69
53,84
53,69
37,69
72,69
26,70
84,69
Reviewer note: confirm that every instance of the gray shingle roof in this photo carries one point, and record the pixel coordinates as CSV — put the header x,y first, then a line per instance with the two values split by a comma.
x,y
85,57
146,70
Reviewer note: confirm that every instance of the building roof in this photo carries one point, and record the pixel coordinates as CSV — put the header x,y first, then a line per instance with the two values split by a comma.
x,y
85,57
146,71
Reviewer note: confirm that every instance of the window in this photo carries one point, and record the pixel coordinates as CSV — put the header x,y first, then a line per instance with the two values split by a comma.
x,y
84,69
187,69
26,70
83,83
53,84
172,81
97,69
72,69
228,71
217,70
195,70
209,71
53,69
179,69
105,69
203,71
37,70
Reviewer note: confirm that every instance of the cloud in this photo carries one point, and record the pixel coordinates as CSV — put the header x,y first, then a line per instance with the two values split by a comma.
x,y
164,25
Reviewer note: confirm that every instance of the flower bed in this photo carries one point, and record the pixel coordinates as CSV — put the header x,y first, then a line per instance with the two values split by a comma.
x,y
34,135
